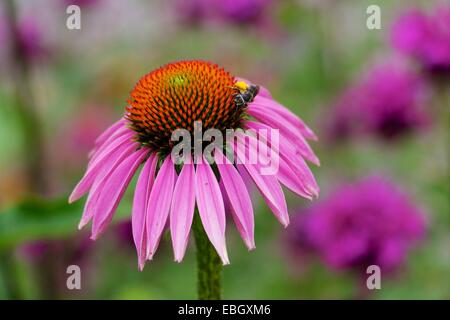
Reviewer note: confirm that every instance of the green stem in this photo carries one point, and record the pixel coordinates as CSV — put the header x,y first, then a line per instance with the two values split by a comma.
x,y
209,266
10,276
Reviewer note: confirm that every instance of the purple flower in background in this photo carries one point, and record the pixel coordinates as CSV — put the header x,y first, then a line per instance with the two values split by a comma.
x,y
74,249
193,12
360,224
243,11
425,37
30,38
388,102
34,250
124,233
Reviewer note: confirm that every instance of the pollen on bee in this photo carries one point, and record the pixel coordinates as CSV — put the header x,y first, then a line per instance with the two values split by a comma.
x,y
241,85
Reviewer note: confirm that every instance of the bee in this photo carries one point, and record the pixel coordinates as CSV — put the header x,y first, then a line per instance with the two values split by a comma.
x,y
245,93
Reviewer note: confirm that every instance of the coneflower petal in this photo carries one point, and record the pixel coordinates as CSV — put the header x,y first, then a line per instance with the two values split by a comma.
x,y
287,130
286,114
140,203
211,208
118,135
287,178
182,210
302,181
267,184
159,205
101,177
113,191
109,131
100,162
240,202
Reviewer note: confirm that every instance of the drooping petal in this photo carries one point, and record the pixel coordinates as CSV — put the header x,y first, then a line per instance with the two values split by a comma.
x,y
287,130
101,177
110,131
89,208
267,184
182,210
140,203
113,190
240,202
159,205
286,114
287,178
100,162
118,135
211,208
294,173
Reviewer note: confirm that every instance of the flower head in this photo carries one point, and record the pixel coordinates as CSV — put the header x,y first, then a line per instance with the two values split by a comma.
x,y
184,97
388,102
361,224
425,37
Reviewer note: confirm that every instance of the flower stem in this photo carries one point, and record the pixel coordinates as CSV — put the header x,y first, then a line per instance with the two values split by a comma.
x,y
209,266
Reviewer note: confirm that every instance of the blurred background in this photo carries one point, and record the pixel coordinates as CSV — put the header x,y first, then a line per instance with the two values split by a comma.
x,y
377,98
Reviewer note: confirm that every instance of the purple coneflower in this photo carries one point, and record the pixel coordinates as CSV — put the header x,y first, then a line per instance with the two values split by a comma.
x,y
173,97
388,102
370,222
425,37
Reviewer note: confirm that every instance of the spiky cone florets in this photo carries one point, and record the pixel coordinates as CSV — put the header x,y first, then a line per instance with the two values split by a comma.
x,y
178,94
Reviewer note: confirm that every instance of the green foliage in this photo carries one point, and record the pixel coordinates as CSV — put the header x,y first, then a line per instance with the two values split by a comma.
x,y
40,219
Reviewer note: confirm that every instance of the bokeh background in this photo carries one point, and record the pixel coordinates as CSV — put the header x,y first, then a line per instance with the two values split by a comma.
x,y
378,100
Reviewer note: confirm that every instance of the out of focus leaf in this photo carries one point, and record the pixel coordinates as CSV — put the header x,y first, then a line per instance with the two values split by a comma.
x,y
41,219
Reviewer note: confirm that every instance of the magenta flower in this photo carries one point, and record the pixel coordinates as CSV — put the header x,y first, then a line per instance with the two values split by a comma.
x,y
361,224
179,96
193,12
242,12
388,102
425,37
29,39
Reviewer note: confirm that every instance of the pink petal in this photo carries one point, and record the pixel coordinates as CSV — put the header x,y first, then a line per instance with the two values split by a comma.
x,y
91,174
159,205
110,131
302,181
182,210
102,175
240,202
287,130
289,178
140,203
286,114
113,190
211,208
118,135
267,184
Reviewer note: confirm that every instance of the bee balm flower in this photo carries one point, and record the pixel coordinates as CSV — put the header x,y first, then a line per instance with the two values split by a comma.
x,y
360,224
425,37
177,96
